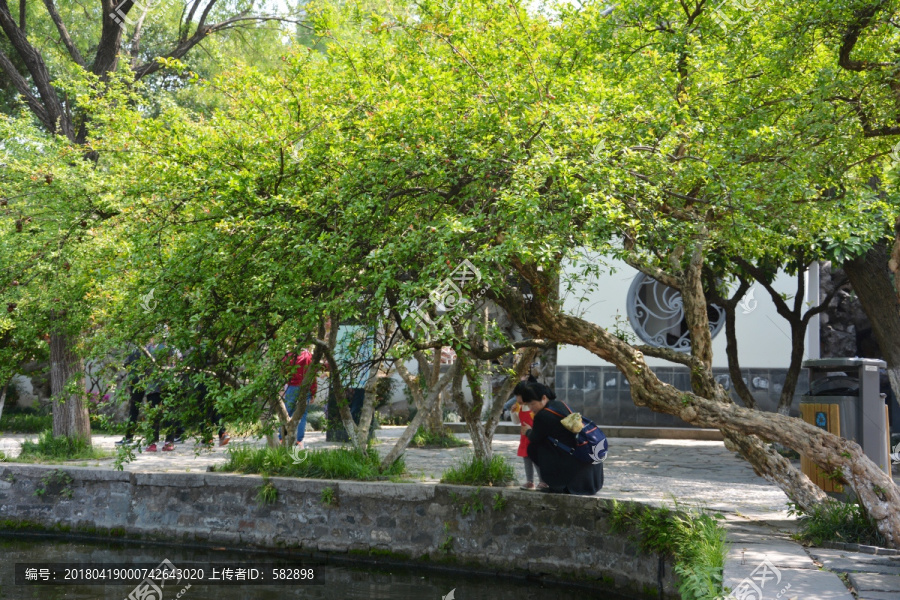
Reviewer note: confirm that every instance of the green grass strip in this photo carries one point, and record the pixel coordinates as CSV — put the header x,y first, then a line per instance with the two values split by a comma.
x,y
338,463
25,423
53,449
472,471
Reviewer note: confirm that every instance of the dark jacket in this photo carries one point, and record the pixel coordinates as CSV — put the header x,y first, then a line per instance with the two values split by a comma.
x,y
562,472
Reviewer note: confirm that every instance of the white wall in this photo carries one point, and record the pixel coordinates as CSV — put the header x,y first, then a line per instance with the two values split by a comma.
x,y
27,396
763,336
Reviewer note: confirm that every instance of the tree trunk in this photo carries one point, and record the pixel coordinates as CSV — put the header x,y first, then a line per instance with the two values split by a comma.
x,y
422,402
548,360
894,266
3,396
336,388
870,277
434,416
766,462
70,413
841,457
357,439
400,446
482,433
894,262
797,319
368,408
289,422
471,413
798,347
731,344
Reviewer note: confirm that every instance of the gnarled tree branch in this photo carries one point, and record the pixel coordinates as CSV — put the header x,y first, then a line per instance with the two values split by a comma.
x,y
63,32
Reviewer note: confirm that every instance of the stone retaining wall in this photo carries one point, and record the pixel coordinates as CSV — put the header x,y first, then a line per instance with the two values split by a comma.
x,y
563,537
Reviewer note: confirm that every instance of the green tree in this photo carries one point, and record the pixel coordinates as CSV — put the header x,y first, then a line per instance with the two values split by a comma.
x,y
508,165
354,180
92,45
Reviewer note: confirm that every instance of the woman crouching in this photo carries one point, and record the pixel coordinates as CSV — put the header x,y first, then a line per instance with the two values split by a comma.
x,y
562,472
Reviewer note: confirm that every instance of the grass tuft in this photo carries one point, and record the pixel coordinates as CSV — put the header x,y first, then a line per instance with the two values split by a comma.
x,y
427,439
25,423
835,521
267,493
694,539
49,448
338,463
473,471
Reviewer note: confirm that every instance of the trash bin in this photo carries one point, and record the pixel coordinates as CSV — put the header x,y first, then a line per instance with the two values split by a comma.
x,y
844,399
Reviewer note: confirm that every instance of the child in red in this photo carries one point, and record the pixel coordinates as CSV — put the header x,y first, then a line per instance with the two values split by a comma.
x,y
521,414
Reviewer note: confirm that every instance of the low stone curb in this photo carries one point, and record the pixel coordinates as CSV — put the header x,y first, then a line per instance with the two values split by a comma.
x,y
861,548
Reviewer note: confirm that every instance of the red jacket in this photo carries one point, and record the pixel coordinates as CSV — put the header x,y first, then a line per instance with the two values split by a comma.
x,y
526,418
303,361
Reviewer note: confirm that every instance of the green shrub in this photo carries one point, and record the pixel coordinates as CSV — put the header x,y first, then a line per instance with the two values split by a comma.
x,y
384,390
471,505
835,521
267,493
694,540
338,463
426,439
394,420
447,545
315,421
49,448
25,422
472,471
59,480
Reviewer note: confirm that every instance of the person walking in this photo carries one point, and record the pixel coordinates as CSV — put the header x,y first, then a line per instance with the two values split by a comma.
x,y
303,362
207,417
135,396
154,395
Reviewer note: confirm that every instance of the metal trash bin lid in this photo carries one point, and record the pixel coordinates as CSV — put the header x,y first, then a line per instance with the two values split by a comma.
x,y
832,363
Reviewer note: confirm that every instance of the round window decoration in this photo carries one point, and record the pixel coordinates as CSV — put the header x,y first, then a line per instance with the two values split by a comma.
x,y
656,313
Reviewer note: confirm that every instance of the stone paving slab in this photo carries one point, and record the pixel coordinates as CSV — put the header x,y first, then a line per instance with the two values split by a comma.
x,y
842,561
878,596
807,585
876,582
781,553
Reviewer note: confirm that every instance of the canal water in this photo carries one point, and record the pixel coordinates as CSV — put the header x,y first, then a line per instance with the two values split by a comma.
x,y
107,572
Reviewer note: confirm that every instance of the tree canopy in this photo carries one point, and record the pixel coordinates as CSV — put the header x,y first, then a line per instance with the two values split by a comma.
x,y
352,179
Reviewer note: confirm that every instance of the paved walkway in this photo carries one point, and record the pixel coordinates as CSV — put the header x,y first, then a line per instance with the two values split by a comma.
x,y
661,472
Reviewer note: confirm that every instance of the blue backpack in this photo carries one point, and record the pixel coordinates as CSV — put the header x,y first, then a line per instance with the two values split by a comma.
x,y
591,445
